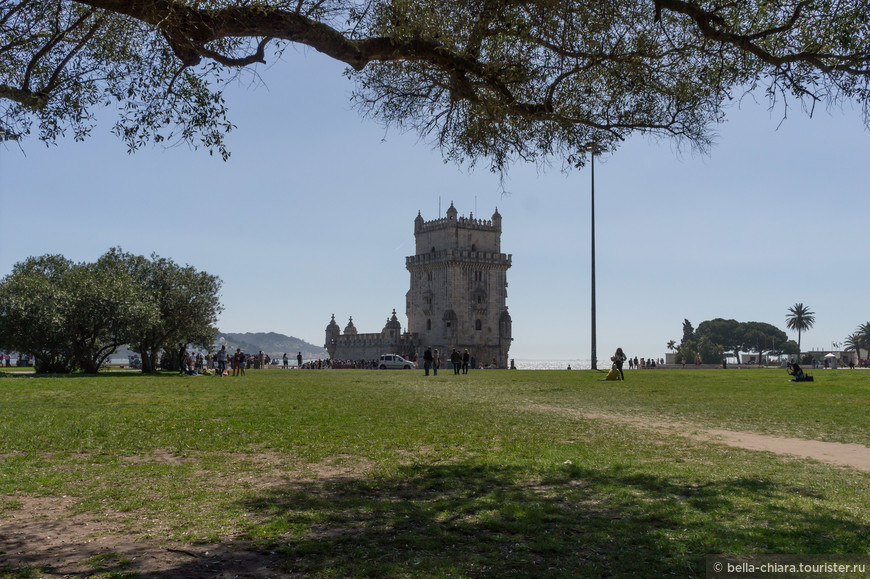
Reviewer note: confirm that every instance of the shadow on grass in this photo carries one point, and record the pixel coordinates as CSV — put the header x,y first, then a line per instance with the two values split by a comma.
x,y
471,520
104,373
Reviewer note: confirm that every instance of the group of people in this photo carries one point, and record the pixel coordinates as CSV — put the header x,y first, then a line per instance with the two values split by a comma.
x,y
223,362
286,361
461,361
644,363
23,360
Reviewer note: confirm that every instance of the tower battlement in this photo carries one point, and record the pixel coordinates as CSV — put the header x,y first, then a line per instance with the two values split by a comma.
x,y
464,222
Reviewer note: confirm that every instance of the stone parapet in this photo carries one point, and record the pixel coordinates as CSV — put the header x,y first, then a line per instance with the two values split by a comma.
x,y
459,255
464,222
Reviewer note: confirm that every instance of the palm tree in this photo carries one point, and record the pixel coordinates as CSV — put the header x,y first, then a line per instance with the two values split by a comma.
x,y
855,341
800,319
859,339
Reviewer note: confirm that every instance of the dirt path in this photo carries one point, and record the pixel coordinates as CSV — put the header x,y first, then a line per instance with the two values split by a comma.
x,y
856,456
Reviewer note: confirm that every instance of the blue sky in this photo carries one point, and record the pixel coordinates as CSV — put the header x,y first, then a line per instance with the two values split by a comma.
x,y
313,216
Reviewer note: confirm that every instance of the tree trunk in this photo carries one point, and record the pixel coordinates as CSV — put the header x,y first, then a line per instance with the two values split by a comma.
x,y
88,365
147,361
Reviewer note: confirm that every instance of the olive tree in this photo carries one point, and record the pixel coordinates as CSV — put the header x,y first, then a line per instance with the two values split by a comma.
x,y
184,305
76,315
103,311
32,312
480,79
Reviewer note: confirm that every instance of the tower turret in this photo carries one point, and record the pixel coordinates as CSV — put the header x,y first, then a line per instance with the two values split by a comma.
x,y
332,334
350,329
452,212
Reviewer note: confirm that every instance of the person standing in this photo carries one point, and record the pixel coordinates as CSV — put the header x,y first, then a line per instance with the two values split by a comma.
x,y
466,357
286,361
427,360
299,360
182,359
222,360
237,359
456,360
619,359
436,362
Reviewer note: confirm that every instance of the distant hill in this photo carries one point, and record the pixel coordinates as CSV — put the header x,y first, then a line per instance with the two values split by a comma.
x,y
271,343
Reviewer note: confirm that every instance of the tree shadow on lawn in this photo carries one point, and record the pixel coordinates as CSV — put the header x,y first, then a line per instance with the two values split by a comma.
x,y
103,374
472,520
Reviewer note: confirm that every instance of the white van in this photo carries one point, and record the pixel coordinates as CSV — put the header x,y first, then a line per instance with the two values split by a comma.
x,y
394,361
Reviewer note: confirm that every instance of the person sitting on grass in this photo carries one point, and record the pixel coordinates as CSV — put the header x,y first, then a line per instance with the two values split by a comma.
x,y
798,374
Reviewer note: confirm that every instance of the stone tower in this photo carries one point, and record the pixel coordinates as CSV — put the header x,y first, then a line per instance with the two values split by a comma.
x,y
459,287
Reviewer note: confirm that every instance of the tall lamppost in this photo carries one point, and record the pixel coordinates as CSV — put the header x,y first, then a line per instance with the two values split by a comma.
x,y
593,150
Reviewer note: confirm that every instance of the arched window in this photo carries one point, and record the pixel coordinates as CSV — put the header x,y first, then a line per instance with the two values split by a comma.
x,y
478,325
429,324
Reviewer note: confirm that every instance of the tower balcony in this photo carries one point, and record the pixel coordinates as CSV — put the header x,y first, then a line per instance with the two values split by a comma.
x,y
457,256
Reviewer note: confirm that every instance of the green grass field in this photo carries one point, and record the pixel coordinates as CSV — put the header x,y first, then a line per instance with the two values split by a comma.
x,y
392,474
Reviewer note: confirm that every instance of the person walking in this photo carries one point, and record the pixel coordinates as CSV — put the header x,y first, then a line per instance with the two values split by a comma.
x,y
299,360
436,361
466,357
286,361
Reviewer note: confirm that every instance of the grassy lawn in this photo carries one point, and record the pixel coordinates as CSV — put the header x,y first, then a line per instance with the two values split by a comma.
x,y
392,474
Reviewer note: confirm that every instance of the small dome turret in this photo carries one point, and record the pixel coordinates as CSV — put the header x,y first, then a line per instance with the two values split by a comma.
x,y
452,212
393,322
496,219
350,329
332,334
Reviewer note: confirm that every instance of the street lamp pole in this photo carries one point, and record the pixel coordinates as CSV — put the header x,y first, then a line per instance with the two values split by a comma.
x,y
593,149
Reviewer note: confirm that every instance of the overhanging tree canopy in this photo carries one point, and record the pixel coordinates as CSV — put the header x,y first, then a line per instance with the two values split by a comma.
x,y
481,79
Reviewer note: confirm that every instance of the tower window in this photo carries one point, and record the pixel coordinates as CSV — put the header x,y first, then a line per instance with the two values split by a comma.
x,y
478,325
429,324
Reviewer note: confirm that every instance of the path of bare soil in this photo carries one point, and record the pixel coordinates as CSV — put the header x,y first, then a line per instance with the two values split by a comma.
x,y
45,533
855,456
